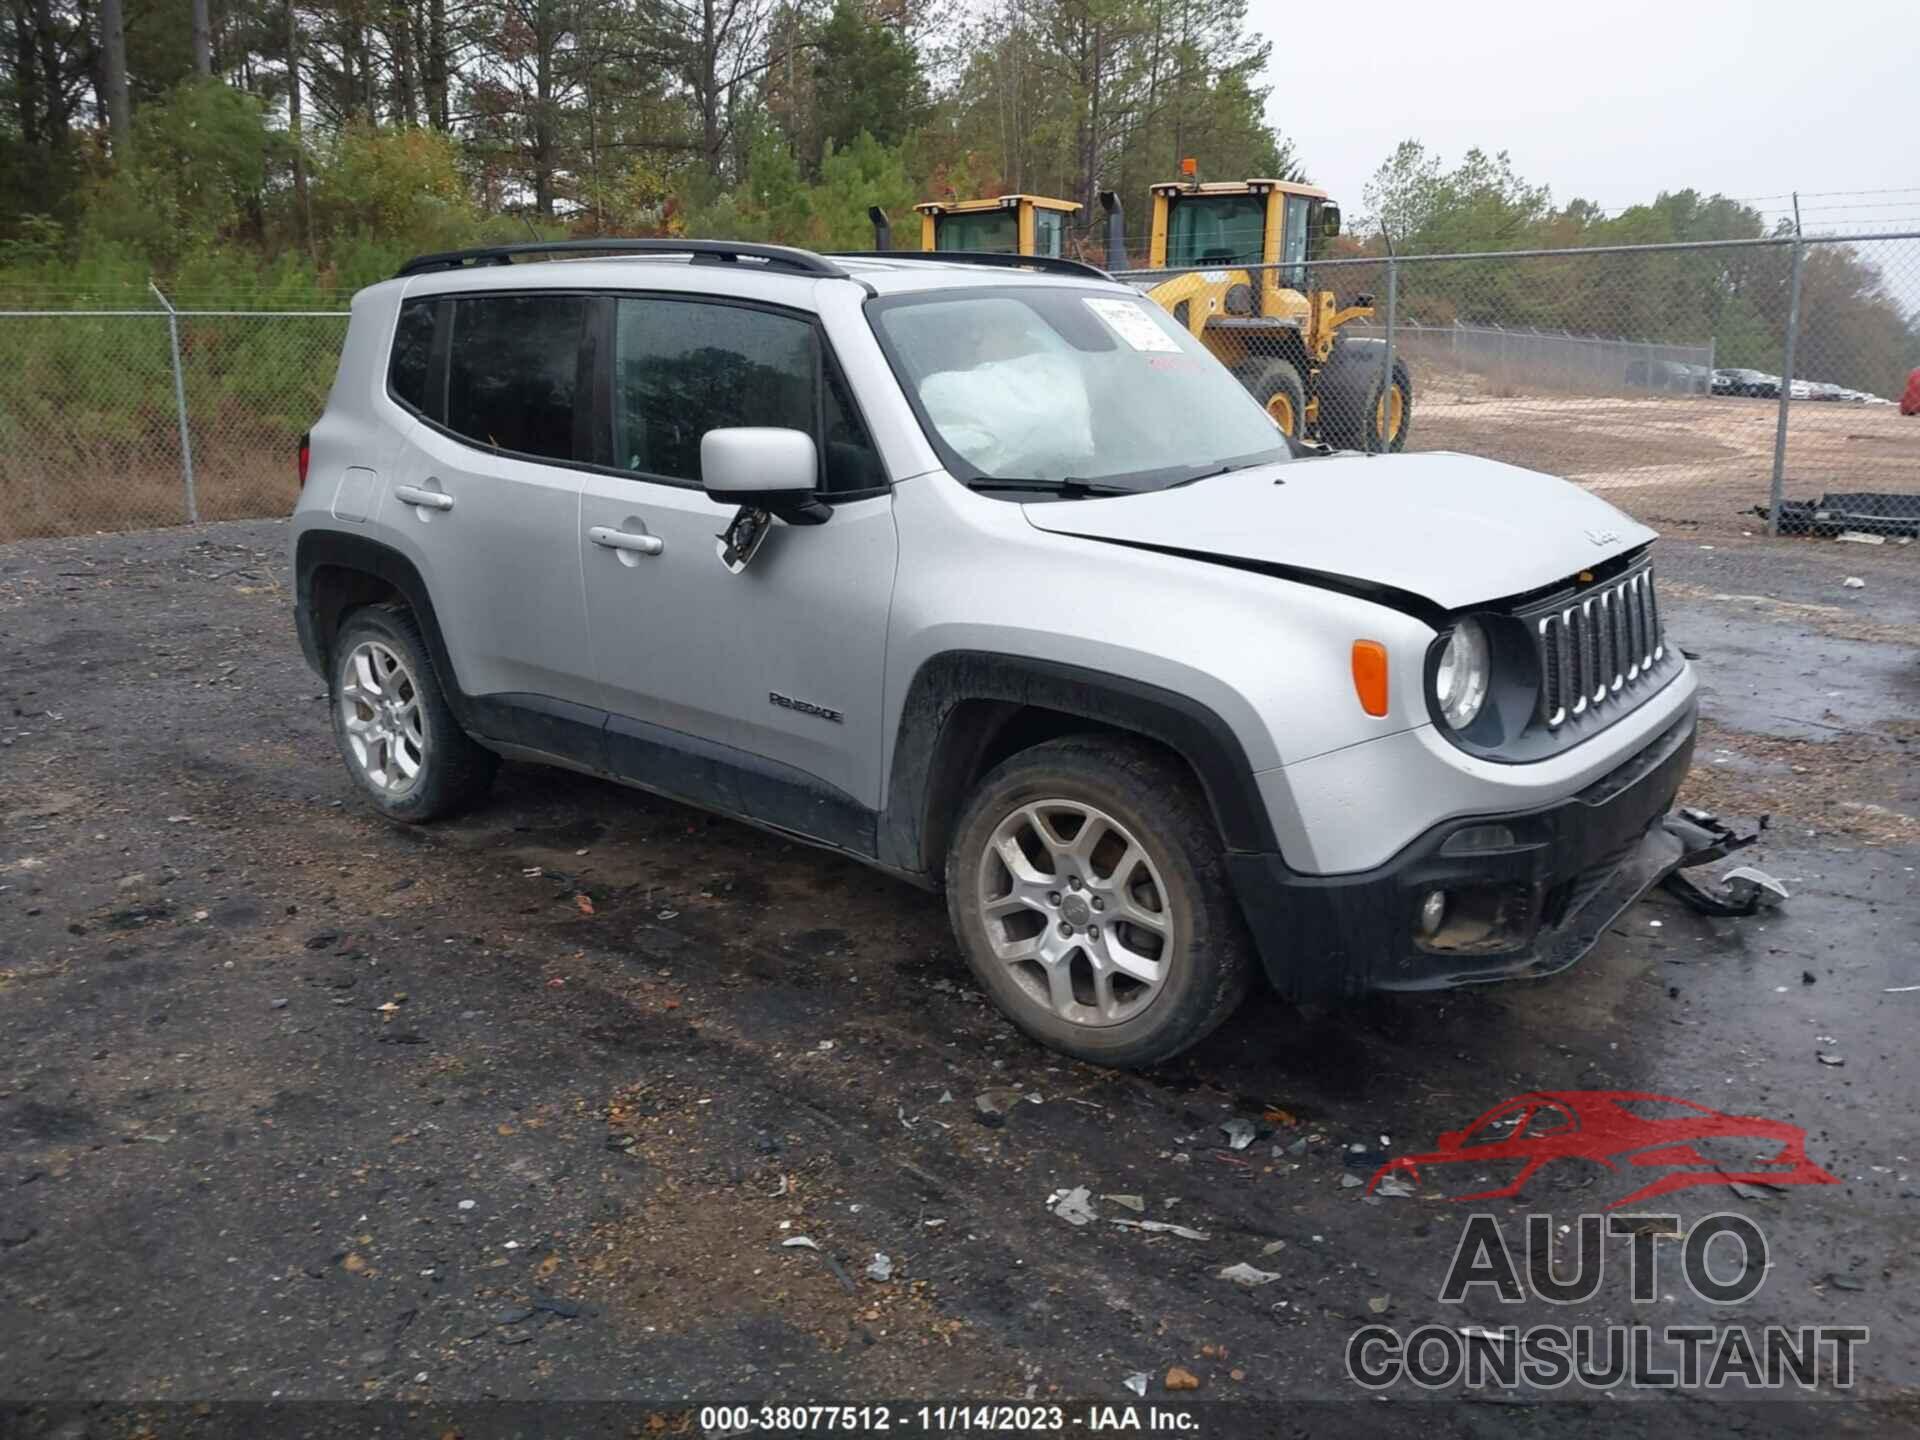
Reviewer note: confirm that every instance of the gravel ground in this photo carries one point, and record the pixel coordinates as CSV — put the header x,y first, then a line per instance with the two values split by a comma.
x,y
296,1104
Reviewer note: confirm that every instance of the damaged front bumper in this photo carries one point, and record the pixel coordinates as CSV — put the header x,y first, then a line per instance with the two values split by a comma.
x,y
1523,894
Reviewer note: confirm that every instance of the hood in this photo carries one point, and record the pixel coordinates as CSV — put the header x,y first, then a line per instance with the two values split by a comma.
x,y
1453,530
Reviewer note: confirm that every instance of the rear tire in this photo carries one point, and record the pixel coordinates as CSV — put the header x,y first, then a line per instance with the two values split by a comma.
x,y
392,723
1113,935
1356,411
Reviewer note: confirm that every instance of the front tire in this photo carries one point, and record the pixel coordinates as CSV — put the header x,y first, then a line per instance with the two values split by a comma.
x,y
392,724
1087,887
1282,394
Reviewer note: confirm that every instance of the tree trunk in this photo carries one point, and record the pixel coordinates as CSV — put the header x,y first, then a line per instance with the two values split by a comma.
x,y
543,42
303,211
202,41
405,71
709,87
27,105
436,66
113,41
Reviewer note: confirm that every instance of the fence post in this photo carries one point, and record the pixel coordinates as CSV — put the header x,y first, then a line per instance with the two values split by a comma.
x,y
1778,487
180,404
1386,380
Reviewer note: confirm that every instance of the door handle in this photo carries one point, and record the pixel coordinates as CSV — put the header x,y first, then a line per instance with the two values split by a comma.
x,y
425,499
626,540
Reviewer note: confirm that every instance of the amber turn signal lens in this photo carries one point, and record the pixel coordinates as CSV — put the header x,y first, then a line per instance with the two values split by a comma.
x,y
1370,675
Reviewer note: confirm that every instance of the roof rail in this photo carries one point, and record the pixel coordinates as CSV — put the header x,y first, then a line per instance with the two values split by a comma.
x,y
1051,263
781,257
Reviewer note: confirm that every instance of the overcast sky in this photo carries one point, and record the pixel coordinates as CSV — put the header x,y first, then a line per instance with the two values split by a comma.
x,y
1617,101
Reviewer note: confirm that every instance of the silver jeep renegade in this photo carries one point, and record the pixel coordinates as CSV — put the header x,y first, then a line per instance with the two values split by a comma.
x,y
989,575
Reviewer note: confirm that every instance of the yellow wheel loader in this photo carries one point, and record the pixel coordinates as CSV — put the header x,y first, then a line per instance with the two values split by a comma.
x,y
1002,225
1265,324
1243,248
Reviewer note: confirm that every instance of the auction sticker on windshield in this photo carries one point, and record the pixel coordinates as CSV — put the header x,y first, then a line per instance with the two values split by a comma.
x,y
1132,324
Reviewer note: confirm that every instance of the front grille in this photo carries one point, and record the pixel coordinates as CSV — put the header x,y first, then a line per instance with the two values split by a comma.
x,y
1595,648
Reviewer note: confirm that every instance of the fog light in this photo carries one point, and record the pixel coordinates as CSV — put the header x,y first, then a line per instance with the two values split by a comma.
x,y
1433,910
1475,839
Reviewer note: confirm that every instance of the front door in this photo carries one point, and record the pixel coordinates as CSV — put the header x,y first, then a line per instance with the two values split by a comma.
x,y
757,692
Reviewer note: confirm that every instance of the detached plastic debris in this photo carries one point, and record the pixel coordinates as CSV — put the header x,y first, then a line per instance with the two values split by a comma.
x,y
1137,1382
1073,1206
1247,1275
1239,1132
880,1267
800,1242
1163,1227
1741,891
991,1107
1394,1188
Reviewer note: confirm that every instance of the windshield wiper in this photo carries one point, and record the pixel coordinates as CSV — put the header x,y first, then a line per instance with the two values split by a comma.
x,y
1070,487
1205,475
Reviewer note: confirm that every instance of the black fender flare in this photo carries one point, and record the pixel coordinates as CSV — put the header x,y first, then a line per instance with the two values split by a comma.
x,y
319,550
936,751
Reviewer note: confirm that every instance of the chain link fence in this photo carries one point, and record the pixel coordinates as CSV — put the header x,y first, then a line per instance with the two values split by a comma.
x,y
124,419
1652,375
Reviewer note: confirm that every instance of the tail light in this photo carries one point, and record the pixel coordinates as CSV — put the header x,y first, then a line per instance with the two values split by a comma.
x,y
306,454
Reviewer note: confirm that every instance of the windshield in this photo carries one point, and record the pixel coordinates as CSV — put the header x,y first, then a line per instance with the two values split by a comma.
x,y
1034,383
1216,230
993,232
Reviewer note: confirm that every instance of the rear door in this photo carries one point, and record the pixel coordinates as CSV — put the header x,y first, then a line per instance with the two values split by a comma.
x,y
489,496
770,678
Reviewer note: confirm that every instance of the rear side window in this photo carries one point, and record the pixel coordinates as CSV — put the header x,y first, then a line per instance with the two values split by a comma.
x,y
682,368
513,372
412,352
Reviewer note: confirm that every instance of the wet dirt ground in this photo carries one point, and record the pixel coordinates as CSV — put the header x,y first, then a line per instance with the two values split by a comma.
x,y
296,1104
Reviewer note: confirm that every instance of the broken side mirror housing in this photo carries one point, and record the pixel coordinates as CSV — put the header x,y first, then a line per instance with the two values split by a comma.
x,y
764,467
1329,219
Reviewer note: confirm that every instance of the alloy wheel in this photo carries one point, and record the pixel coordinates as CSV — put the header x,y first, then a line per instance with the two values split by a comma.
x,y
1076,910
380,715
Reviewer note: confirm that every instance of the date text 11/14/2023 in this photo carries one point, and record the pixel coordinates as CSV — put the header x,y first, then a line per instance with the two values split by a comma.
x,y
718,1421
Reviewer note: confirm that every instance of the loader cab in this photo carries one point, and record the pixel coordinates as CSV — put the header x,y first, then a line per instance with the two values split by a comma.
x,y
1001,225
1242,223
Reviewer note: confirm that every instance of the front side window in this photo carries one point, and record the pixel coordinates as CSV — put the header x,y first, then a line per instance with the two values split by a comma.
x,y
1294,242
1216,230
1049,232
990,232
513,371
682,368
1036,383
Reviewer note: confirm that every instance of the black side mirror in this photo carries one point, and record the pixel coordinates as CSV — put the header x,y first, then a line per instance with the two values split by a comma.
x,y
1329,219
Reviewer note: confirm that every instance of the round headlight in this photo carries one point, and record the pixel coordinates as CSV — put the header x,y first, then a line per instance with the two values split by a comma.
x,y
1460,681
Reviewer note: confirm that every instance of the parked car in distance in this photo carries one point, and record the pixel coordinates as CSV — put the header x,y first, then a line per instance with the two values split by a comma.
x,y
984,572
1754,383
